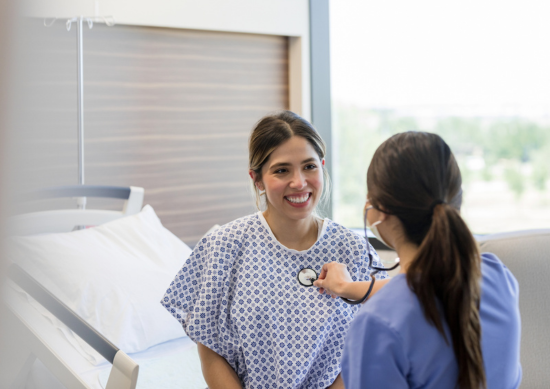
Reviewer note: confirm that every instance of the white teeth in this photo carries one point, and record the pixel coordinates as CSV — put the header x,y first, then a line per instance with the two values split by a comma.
x,y
298,200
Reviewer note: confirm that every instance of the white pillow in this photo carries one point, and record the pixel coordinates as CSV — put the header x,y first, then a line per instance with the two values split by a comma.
x,y
113,276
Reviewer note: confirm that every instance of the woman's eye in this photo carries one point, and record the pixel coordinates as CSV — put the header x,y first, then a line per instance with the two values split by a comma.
x,y
311,166
280,171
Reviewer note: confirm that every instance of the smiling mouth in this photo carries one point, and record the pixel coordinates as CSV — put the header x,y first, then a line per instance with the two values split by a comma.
x,y
299,199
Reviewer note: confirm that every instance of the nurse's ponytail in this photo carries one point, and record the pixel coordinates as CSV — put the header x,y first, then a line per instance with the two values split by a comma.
x,y
415,177
447,270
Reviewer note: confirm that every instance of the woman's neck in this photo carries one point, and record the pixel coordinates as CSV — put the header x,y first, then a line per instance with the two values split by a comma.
x,y
406,252
294,234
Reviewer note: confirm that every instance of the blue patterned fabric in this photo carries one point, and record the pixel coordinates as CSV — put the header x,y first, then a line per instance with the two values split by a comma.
x,y
238,294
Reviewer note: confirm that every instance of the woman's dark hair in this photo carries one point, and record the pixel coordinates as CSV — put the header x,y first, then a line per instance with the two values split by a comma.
x,y
415,177
271,132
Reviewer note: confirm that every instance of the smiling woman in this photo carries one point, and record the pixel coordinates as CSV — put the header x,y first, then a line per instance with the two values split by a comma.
x,y
240,295
289,173
270,133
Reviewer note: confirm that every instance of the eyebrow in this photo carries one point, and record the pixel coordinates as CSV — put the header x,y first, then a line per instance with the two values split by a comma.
x,y
284,164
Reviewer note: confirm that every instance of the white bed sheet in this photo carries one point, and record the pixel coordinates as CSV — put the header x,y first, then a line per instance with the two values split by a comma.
x,y
159,365
171,365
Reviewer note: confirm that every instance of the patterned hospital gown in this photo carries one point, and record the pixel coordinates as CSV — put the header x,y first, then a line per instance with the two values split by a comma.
x,y
238,294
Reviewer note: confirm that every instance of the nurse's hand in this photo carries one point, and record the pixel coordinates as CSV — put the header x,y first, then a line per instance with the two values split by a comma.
x,y
334,279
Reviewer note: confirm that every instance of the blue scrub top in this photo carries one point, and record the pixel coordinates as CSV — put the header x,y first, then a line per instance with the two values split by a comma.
x,y
391,345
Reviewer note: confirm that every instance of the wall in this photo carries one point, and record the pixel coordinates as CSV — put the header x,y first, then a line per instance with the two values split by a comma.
x,y
170,95
166,109
274,17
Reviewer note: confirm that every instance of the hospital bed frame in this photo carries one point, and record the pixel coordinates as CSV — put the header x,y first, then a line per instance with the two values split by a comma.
x,y
31,341
65,220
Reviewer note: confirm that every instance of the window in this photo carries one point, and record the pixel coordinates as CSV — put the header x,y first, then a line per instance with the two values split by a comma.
x,y
475,72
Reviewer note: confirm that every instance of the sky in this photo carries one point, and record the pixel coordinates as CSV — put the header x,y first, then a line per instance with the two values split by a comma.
x,y
490,55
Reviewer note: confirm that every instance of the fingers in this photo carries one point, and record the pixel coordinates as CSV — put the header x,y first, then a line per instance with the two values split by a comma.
x,y
324,271
332,275
320,284
326,268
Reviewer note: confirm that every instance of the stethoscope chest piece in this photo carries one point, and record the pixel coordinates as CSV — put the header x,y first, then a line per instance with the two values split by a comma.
x,y
307,277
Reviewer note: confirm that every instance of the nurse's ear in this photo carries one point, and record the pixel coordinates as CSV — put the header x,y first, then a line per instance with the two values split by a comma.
x,y
380,213
383,216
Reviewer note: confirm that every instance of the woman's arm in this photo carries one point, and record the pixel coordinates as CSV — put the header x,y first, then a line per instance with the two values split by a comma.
x,y
338,383
216,371
336,281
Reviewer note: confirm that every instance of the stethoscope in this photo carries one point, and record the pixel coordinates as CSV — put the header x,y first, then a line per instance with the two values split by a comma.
x,y
307,276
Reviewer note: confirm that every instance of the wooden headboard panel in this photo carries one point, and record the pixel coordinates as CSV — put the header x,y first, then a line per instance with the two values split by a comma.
x,y
166,109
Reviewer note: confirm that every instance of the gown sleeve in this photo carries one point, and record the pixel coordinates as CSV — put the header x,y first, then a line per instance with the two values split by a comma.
x,y
361,270
374,356
198,295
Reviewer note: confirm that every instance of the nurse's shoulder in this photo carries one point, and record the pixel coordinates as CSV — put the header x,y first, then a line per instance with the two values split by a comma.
x,y
496,276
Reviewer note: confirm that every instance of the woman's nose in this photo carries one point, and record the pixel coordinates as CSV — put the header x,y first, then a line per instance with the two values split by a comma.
x,y
298,180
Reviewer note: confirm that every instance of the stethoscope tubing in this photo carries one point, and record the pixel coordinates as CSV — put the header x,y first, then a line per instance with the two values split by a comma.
x,y
373,279
376,269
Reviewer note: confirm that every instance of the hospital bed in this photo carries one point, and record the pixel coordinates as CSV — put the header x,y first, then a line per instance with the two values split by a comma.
x,y
61,264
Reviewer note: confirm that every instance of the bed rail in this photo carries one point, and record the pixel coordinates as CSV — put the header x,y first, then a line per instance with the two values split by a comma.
x,y
114,192
89,334
124,373
66,220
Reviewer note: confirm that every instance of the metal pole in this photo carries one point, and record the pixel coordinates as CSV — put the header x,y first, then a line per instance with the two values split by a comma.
x,y
80,94
80,201
89,334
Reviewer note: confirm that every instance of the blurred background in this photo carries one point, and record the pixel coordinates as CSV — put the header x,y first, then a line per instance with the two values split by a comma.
x,y
474,72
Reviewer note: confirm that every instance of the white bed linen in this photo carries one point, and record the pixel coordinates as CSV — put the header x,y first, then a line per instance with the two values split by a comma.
x,y
113,276
177,366
158,364
158,368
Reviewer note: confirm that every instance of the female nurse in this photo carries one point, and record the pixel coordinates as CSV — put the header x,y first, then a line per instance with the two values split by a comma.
x,y
245,296
450,318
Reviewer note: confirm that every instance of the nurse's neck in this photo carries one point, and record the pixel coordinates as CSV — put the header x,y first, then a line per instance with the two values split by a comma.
x,y
393,232
298,234
406,252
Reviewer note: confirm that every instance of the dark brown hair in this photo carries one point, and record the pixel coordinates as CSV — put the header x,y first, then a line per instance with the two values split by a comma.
x,y
271,132
415,177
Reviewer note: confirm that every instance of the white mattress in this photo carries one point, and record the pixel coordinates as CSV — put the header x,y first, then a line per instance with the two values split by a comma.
x,y
168,365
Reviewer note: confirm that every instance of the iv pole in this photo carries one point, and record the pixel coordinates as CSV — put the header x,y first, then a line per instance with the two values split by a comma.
x,y
80,98
109,21
80,201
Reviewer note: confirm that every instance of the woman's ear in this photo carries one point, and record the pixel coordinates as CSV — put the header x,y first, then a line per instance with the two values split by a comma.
x,y
254,177
323,162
